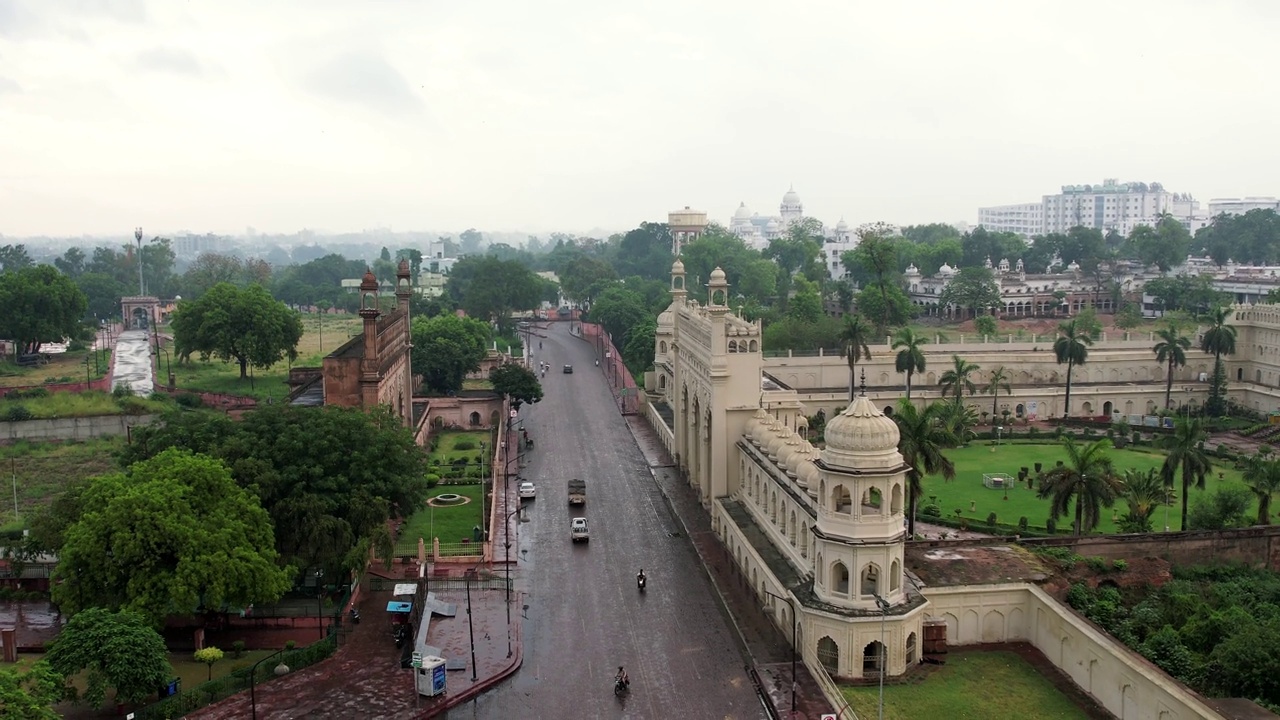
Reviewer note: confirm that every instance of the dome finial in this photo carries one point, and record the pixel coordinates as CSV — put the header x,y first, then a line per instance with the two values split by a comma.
x,y
863,384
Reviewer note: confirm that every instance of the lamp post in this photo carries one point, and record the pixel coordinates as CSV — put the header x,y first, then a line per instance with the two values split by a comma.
x,y
137,235
168,366
884,612
253,676
320,601
999,433
506,560
795,623
471,628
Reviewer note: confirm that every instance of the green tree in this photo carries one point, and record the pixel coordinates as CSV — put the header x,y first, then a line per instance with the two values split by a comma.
x,y
210,269
1186,457
985,325
638,352
1186,293
516,383
102,295
40,305
959,378
888,302
1164,245
328,476
876,258
245,325
72,263
119,649
998,381
1247,662
171,535
14,257
1171,351
806,304
1262,477
1086,477
910,357
619,310
583,276
445,349
209,656
1072,348
853,346
645,251
1143,491
1219,339
922,435
490,289
1223,509
973,289
28,693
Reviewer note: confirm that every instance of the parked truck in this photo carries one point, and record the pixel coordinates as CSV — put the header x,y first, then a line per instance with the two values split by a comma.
x,y
577,492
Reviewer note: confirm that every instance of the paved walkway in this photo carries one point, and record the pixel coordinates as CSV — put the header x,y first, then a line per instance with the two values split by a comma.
x,y
131,362
764,644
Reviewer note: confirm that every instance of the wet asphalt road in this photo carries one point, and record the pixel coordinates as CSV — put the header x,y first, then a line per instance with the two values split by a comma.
x,y
585,615
132,358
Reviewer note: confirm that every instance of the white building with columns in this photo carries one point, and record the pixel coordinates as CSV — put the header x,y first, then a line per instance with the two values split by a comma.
x,y
757,230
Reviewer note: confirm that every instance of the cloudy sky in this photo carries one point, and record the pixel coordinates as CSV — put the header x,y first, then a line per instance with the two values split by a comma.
x,y
216,115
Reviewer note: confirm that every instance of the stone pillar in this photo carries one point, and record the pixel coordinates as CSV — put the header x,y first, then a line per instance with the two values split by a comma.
x,y
9,641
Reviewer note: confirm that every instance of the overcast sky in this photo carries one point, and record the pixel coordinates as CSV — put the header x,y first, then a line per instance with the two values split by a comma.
x,y
216,115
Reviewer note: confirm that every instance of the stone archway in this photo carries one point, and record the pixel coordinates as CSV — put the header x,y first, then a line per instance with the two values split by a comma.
x,y
140,313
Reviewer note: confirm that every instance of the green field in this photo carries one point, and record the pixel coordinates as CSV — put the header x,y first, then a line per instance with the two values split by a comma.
x,y
68,367
41,471
971,462
972,685
454,446
84,404
451,524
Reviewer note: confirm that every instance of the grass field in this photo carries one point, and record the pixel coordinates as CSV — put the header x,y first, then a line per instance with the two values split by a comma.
x,y
42,470
68,367
451,524
967,490
974,685
222,377
85,404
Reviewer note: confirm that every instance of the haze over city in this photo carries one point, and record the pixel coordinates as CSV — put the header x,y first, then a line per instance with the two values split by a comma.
x,y
568,115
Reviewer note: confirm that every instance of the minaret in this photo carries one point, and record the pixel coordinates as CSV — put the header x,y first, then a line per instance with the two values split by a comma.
x,y
369,312
404,290
678,290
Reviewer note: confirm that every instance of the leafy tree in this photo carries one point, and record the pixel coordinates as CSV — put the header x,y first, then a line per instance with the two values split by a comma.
x,y
470,241
1247,661
171,535
583,277
876,257
959,378
910,357
980,245
1262,477
985,325
102,294
1224,509
14,257
1164,245
318,279
1186,457
1129,316
998,381
645,251
1165,649
119,649
1143,491
931,234
974,289
853,346
210,269
844,294
922,435
516,383
328,476
209,656
445,349
797,251
619,310
72,263
242,324
788,333
40,305
1188,293
806,304
1171,351
1084,246
28,693
1252,237
1072,348
889,303
1087,477
638,352
490,289
1218,339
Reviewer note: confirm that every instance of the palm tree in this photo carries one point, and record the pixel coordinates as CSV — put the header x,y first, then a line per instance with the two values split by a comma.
x,y
910,357
1172,351
1262,476
998,381
959,378
1087,477
959,419
853,345
1143,491
1072,348
1186,456
1219,339
922,435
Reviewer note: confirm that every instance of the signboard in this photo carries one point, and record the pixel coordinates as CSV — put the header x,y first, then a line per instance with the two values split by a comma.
x,y
417,660
437,679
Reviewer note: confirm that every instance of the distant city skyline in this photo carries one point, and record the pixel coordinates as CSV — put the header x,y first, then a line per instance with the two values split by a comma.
x,y
574,115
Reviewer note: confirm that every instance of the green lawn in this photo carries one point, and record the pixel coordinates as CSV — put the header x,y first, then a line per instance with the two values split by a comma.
x,y
41,471
84,404
977,685
451,524
971,462
68,367
453,446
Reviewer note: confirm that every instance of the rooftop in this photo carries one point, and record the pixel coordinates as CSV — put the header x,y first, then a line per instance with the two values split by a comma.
x,y
943,563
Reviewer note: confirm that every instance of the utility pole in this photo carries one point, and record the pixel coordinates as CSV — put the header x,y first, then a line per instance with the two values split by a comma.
x,y
137,235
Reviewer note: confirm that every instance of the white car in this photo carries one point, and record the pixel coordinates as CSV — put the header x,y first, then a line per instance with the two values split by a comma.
x,y
527,491
578,530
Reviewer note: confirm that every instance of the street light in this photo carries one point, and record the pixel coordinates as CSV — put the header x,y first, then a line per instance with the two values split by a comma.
x,y
320,601
506,560
253,676
471,628
795,623
137,234
884,655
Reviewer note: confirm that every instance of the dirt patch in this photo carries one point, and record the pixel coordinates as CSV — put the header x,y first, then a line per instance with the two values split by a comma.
x,y
959,563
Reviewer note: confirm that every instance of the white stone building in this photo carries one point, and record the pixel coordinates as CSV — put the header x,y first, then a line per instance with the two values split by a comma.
x,y
1240,206
757,230
1111,205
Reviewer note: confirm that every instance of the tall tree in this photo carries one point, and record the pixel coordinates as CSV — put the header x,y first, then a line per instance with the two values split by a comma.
x,y
172,535
922,436
959,378
14,257
40,305
1143,491
72,263
1262,477
853,346
242,324
516,383
998,381
910,357
445,349
1171,351
1186,458
490,289
974,289
876,258
1219,339
1087,477
1072,348
119,649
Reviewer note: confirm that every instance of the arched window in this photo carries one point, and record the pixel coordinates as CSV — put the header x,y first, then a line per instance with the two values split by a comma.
x,y
733,346
911,649
755,346
829,655
792,527
841,501
817,566
773,508
662,347
662,382
475,419
895,572
784,522
872,658
871,501
870,584
895,499
804,540
840,578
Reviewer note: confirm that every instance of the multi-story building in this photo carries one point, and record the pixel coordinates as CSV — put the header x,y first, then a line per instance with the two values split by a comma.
x,y
191,246
757,230
1240,206
1109,206
1025,219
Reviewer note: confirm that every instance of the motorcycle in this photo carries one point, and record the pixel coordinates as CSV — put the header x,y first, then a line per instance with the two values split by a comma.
x,y
355,616
620,686
640,581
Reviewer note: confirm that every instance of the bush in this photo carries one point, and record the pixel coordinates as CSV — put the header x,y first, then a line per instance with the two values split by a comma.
x,y
991,519
931,510
1033,432
237,648
1119,565
17,413
432,480
1051,525
29,394
121,391
189,400
1022,523
1097,564
465,443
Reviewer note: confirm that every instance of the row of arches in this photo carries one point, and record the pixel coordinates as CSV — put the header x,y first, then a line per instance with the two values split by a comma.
x,y
874,656
781,513
869,579
742,346
840,501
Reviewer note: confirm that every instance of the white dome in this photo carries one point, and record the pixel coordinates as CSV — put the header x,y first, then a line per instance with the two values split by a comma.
x,y
946,270
666,319
842,226
787,455
764,431
862,438
718,277
677,267
791,197
742,213
912,269
780,435
774,224
753,422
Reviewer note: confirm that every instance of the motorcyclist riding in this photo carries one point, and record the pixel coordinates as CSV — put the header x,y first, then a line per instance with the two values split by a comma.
x,y
640,579
620,681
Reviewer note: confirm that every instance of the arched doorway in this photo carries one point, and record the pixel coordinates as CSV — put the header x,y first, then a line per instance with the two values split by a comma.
x,y
475,419
829,655
1106,408
872,658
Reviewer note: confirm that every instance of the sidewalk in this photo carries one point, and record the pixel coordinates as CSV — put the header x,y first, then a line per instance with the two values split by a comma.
x,y
768,650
